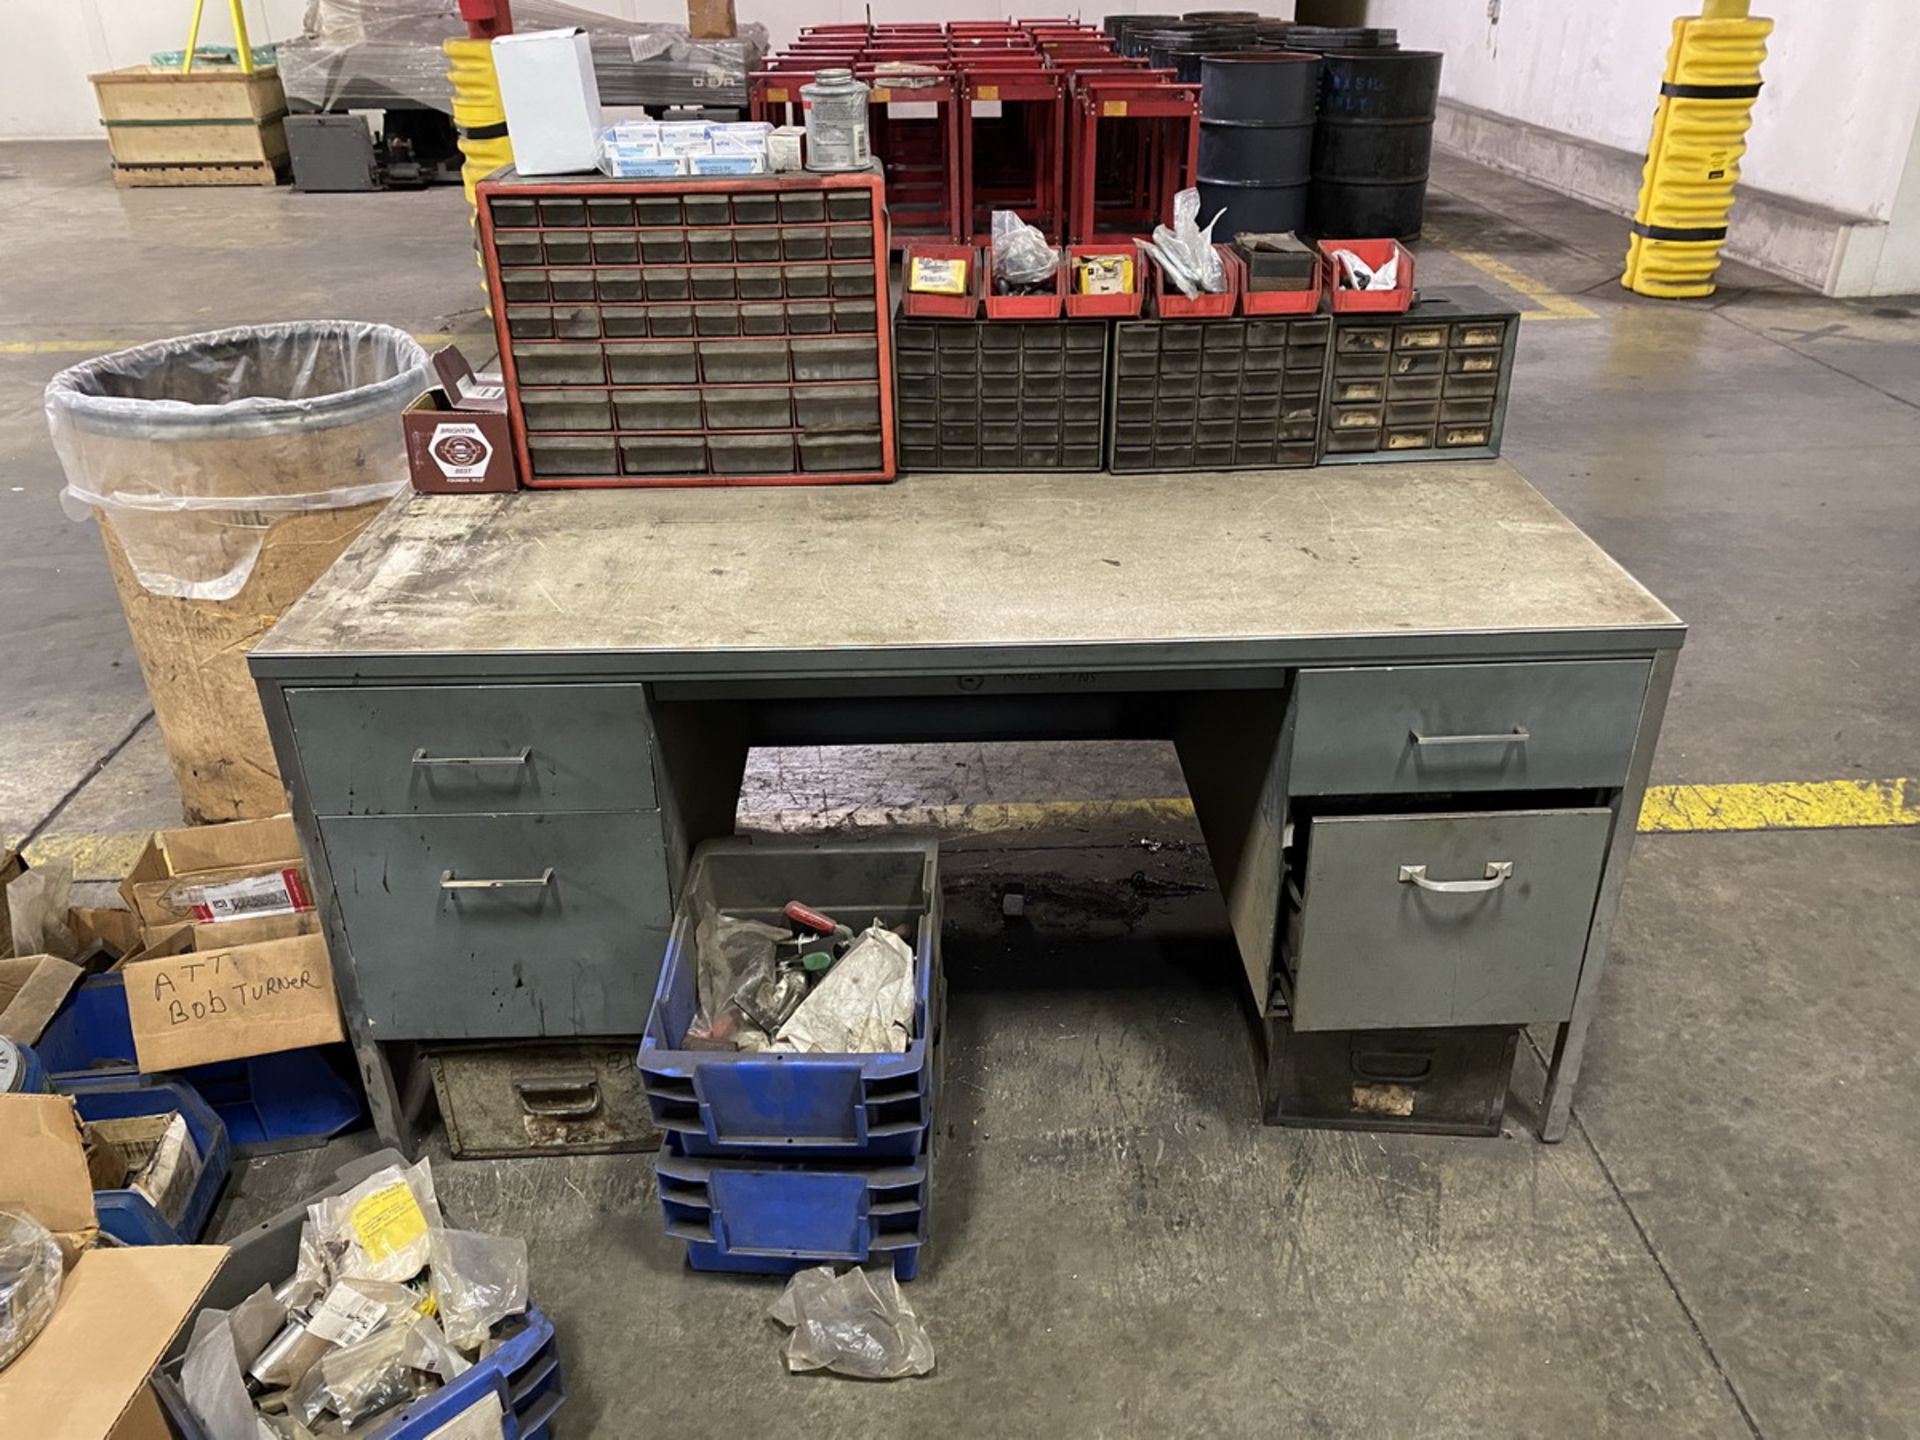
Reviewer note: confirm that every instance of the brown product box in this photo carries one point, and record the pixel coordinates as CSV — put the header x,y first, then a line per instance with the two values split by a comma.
x,y
217,874
32,989
228,1004
458,440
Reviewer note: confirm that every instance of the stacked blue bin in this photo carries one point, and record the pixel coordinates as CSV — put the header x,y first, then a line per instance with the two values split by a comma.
x,y
771,1163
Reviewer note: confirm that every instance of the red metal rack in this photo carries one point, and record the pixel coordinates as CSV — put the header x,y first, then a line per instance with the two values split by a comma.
x,y
638,377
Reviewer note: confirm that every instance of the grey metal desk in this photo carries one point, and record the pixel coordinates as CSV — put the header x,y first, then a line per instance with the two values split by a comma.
x,y
505,720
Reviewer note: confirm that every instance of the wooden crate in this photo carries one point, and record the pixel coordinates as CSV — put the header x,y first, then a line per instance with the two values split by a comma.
x,y
210,127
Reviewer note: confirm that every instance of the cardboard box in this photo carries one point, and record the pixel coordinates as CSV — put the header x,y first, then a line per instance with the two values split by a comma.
x,y
46,1174
228,1004
458,440
85,1377
32,990
552,99
217,873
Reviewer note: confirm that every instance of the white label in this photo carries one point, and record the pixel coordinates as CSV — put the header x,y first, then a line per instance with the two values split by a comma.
x,y
346,1317
458,448
280,893
481,1420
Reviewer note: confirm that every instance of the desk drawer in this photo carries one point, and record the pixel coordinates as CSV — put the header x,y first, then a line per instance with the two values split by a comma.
x,y
461,749
572,946
1383,940
1397,729
581,1098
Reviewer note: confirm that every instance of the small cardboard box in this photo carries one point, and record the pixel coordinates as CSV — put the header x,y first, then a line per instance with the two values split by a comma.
x,y
85,1376
32,990
552,99
46,1174
458,440
228,1004
217,873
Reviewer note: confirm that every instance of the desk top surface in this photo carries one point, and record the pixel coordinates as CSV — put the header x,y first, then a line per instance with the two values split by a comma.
x,y
951,572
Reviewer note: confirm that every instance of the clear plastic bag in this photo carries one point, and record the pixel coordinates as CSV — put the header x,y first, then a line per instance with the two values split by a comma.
x,y
1185,252
857,1324
379,1229
37,903
30,1276
362,53
727,951
478,1280
863,1006
191,449
363,1379
211,1382
1022,258
427,1350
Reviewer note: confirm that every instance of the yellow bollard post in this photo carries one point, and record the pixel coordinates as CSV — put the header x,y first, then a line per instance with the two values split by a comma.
x,y
477,112
1693,159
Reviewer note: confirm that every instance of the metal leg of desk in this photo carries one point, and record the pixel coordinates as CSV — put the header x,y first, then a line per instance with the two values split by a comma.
x,y
1556,1109
392,1117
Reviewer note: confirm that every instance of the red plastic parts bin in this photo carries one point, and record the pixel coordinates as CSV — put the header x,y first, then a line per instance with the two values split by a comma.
x,y
1170,304
1375,253
1126,306
1277,302
921,306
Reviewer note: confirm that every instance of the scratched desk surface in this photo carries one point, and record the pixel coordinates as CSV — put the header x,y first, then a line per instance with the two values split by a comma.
x,y
1193,569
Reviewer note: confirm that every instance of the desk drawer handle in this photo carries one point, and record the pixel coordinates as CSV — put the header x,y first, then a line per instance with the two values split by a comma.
x,y
421,757
559,1097
1498,873
1516,736
544,878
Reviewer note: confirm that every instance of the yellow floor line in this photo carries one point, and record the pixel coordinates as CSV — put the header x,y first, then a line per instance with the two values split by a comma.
x,y
1552,305
1781,805
1668,810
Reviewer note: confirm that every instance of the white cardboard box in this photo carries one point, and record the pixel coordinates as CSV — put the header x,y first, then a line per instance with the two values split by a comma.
x,y
552,100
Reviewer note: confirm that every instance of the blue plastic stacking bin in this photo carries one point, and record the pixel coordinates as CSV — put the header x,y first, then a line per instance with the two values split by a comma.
x,y
129,1216
719,1104
771,1218
293,1100
524,1372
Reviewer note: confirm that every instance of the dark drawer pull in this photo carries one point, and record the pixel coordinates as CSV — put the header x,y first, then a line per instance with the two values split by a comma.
x,y
544,878
1391,1067
1498,873
420,757
1516,736
559,1097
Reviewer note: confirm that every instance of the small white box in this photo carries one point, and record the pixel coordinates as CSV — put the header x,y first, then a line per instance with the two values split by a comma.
x,y
728,164
552,100
783,148
625,165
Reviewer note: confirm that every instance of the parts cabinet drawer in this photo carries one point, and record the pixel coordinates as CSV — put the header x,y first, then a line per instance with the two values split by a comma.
x,y
470,927
499,1101
462,749
1391,730
1443,919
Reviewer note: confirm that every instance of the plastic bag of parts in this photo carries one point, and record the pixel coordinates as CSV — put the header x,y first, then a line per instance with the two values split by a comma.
x,y
37,904
728,952
226,1343
1023,261
1355,274
363,53
857,1324
863,1006
190,450
378,1230
30,1275
478,1280
362,1379
1185,252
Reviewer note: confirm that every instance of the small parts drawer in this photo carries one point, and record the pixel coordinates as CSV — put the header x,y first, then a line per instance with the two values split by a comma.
x,y
428,750
1434,1082
1400,729
467,927
500,1101
1444,919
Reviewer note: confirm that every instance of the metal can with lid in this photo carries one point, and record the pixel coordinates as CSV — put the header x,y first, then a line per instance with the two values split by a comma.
x,y
20,1070
836,113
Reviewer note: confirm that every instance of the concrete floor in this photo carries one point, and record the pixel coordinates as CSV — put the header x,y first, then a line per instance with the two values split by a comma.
x,y
1727,1243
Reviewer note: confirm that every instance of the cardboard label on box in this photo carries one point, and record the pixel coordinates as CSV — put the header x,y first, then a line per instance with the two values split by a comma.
x,y
229,1004
457,438
283,892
